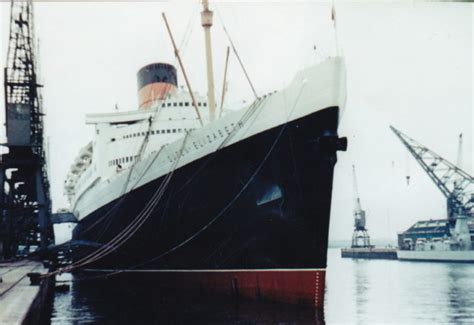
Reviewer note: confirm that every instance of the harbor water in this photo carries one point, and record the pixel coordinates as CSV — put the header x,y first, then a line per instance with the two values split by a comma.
x,y
357,291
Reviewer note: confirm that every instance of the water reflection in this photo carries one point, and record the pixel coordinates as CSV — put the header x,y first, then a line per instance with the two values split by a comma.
x,y
362,283
357,291
122,302
460,295
381,291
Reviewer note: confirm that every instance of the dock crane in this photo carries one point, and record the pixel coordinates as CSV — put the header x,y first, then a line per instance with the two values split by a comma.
x,y
455,184
25,203
360,237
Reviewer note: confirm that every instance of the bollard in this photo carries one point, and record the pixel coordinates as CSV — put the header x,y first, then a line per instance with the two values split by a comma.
x,y
35,278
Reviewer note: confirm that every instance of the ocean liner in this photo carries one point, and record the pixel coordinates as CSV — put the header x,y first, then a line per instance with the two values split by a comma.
x,y
235,204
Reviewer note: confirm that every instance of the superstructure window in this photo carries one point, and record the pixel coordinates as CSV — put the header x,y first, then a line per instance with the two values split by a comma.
x,y
168,131
199,104
174,130
186,104
175,104
169,104
204,104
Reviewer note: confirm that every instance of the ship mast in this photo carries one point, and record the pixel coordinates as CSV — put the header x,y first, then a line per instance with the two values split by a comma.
x,y
206,21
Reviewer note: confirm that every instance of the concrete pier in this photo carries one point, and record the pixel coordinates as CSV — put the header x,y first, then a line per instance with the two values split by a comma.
x,y
21,302
370,253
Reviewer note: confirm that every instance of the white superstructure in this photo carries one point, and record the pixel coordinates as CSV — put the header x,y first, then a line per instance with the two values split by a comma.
x,y
133,148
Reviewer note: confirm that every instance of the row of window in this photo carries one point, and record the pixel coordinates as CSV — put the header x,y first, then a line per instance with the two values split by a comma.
x,y
181,104
207,139
153,132
121,161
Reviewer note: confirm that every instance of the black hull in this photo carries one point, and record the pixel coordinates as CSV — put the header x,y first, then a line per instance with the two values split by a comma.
x,y
276,186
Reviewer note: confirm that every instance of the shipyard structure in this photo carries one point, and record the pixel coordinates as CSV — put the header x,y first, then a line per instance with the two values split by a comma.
x,y
451,239
25,203
426,231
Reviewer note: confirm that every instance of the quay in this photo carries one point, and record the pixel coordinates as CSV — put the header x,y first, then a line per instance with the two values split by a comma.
x,y
370,253
20,301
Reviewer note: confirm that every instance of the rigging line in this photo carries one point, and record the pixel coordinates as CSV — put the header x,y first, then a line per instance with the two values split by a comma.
x,y
123,237
142,218
220,213
209,159
248,113
282,129
140,152
130,230
176,51
235,52
139,215
151,204
187,34
224,82
130,170
145,171
244,119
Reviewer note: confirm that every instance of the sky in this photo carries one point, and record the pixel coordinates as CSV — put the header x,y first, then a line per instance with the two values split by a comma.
x,y
409,64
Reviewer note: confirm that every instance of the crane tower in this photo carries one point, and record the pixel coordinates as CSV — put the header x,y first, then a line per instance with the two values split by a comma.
x,y
455,184
25,205
360,237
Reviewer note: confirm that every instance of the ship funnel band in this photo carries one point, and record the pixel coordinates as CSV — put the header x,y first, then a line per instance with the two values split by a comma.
x,y
155,81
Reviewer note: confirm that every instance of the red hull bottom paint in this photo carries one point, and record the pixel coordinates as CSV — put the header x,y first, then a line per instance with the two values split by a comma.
x,y
300,287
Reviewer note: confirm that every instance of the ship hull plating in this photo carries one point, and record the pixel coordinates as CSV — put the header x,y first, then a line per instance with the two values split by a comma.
x,y
251,218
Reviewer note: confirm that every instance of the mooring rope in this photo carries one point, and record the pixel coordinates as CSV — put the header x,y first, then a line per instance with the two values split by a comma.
x,y
131,229
231,202
136,224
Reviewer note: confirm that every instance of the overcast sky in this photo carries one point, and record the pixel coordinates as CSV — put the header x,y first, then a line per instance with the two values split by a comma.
x,y
409,64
